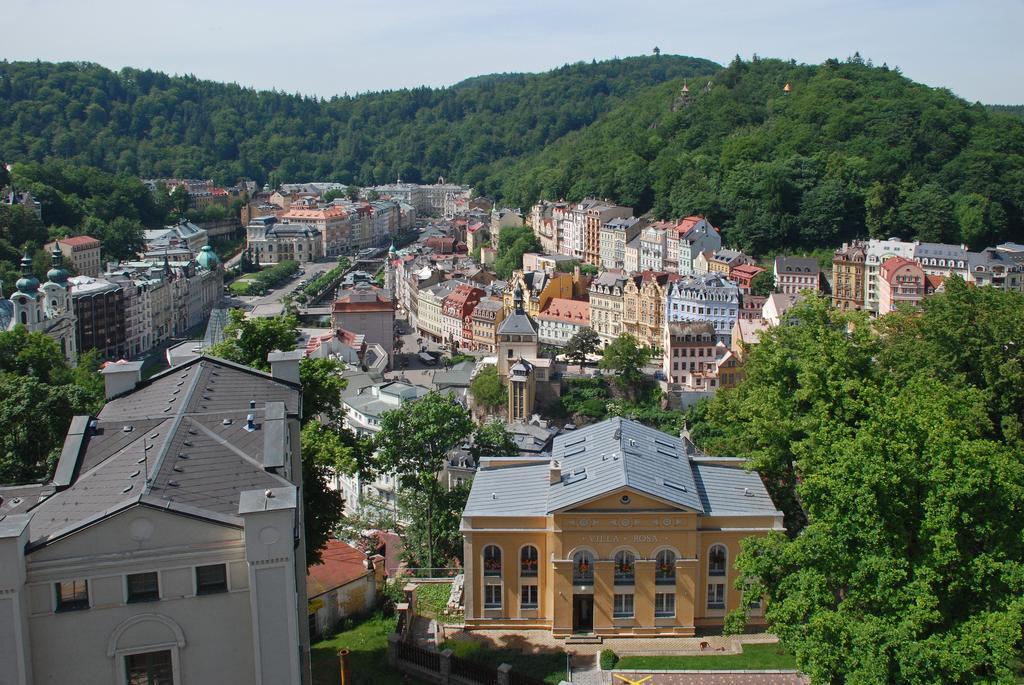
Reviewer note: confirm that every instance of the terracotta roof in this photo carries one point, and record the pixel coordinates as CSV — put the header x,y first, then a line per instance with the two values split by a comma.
x,y
571,311
325,213
893,264
342,563
80,241
747,270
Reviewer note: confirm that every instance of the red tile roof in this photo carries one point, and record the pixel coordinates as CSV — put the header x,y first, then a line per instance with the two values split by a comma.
x,y
80,241
893,264
571,311
342,563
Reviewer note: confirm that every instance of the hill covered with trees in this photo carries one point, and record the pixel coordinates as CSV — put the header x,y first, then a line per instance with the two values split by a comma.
x,y
154,125
850,151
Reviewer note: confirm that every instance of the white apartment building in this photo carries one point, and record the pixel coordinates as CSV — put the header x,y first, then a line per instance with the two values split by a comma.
x,y
168,547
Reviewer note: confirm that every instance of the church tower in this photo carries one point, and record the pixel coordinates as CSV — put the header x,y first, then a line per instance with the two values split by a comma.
x,y
522,391
516,336
28,310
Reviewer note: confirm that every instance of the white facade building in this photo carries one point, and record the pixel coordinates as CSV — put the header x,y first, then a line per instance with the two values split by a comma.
x,y
168,548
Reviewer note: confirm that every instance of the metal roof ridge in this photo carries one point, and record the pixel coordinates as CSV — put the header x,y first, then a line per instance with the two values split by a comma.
x,y
172,431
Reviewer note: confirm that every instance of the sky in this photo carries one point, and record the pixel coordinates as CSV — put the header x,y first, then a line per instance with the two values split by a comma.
x,y
972,47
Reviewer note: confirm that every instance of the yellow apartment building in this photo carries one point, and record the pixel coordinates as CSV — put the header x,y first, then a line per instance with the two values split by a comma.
x,y
625,531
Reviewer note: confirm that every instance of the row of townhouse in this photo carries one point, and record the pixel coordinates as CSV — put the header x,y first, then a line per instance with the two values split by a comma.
x,y
862,279
672,246
124,313
575,229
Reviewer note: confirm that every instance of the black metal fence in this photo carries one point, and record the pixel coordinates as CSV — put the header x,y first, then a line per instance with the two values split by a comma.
x,y
516,678
424,658
474,670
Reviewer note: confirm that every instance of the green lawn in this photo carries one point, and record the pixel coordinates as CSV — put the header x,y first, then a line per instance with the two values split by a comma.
x,y
240,286
547,666
754,657
367,642
432,600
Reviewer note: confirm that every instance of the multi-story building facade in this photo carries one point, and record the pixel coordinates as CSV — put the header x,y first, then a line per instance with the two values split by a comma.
x,y
100,313
486,317
654,246
138,313
686,240
710,298
561,320
902,282
614,237
689,353
876,252
503,218
606,293
793,275
46,308
848,277
369,311
331,223
723,261
594,215
429,320
169,546
611,536
457,312
631,256
82,252
643,306
271,241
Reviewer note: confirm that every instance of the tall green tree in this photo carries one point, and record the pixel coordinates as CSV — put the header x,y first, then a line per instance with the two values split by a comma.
x,y
249,341
582,344
492,439
627,356
762,284
413,443
893,448
488,391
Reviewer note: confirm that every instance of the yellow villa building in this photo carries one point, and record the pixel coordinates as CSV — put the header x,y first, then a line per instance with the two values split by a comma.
x,y
624,531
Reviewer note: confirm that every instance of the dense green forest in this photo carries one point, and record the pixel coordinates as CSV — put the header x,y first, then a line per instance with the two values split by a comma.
x,y
853,150
153,125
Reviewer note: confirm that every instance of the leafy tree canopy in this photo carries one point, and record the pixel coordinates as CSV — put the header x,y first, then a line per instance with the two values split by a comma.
x,y
488,391
627,356
584,342
893,447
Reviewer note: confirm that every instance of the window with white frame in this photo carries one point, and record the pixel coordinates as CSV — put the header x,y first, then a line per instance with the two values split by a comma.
x,y
528,596
492,596
622,605
716,595
664,604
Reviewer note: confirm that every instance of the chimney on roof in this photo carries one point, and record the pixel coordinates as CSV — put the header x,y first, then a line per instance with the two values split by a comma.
x,y
555,472
285,365
121,377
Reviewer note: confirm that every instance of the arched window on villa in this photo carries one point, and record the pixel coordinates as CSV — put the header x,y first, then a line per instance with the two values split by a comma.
x,y
665,567
528,562
716,560
492,560
625,568
582,567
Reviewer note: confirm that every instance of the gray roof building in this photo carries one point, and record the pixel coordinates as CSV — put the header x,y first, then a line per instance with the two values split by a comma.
x,y
614,454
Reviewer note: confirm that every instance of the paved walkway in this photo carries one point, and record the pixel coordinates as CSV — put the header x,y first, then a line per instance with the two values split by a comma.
x,y
708,678
623,646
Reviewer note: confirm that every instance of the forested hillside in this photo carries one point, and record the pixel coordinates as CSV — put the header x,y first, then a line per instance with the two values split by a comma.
x,y
853,150
154,125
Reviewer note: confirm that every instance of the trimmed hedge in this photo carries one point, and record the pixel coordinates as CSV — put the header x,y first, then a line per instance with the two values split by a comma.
x,y
608,659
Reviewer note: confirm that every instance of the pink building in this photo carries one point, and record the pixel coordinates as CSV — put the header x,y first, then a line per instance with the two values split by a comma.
x,y
457,314
902,281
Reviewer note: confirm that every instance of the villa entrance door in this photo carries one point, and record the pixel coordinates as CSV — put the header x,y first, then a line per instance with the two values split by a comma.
x,y
582,613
